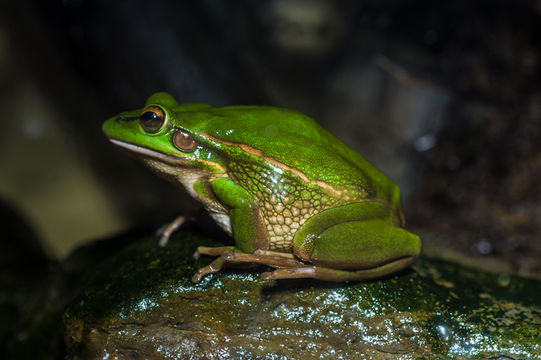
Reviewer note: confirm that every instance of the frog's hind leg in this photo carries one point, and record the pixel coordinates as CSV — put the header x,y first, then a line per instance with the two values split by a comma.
x,y
357,241
328,274
265,258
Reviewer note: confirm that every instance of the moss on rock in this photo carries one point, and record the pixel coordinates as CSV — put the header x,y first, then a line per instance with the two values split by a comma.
x,y
141,304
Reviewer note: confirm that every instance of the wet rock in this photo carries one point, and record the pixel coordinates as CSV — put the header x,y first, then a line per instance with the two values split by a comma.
x,y
141,304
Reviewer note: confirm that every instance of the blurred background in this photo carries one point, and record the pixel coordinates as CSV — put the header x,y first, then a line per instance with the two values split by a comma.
x,y
443,96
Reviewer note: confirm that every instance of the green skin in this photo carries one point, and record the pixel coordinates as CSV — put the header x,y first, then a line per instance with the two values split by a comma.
x,y
292,195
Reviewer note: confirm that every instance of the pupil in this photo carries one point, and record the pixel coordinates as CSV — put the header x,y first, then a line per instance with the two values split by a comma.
x,y
150,118
151,121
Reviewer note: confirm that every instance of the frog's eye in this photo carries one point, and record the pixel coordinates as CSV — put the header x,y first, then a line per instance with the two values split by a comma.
x,y
183,141
152,119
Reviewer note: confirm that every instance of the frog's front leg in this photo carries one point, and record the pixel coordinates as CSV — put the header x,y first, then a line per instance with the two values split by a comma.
x,y
246,223
352,242
167,230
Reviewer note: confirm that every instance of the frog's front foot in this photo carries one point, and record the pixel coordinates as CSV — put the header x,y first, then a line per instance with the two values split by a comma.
x,y
168,229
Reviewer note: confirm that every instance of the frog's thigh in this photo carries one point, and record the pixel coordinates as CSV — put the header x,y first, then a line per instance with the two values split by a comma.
x,y
355,237
246,220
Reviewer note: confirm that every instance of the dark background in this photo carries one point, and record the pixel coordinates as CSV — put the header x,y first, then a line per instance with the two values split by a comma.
x,y
444,96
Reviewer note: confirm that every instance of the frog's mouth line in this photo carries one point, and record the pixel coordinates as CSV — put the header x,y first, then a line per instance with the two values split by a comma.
x,y
166,158
146,152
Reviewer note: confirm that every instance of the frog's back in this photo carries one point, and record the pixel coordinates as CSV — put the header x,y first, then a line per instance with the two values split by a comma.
x,y
300,143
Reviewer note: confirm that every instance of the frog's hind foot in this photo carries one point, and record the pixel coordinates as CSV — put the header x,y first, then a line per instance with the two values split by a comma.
x,y
272,260
274,253
212,251
328,274
211,268
228,256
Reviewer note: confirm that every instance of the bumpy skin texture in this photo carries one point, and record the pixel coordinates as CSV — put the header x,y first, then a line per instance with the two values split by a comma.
x,y
293,196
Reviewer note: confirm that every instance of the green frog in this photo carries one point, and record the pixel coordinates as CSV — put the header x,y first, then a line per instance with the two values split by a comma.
x,y
292,196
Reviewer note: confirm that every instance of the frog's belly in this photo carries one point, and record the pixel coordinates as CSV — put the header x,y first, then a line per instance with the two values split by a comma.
x,y
281,228
281,222
280,238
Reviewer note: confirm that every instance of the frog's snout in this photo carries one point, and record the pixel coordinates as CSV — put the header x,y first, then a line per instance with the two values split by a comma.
x,y
123,117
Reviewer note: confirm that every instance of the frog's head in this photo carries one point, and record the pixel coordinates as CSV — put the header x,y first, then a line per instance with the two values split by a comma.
x,y
159,136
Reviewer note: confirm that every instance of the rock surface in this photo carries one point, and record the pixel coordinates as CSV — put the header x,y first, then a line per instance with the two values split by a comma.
x,y
141,304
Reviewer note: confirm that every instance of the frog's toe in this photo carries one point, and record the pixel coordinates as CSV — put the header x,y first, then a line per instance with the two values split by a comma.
x,y
291,273
211,268
197,277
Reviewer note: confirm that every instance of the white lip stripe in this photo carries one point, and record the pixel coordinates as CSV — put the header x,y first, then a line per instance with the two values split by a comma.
x,y
144,151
